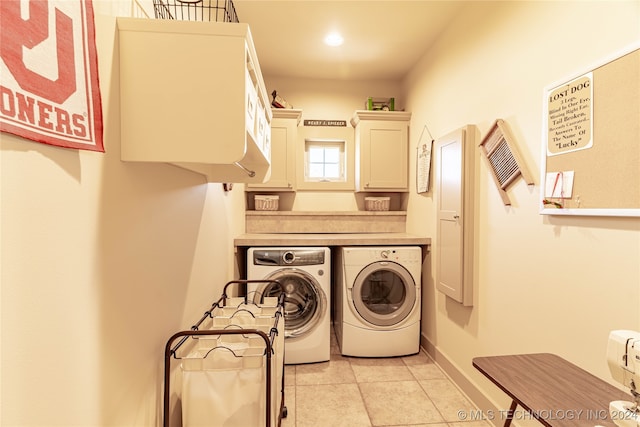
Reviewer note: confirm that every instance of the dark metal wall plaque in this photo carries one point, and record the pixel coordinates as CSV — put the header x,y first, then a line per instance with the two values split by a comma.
x,y
342,123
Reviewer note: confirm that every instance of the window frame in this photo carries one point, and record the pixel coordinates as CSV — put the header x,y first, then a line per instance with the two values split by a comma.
x,y
322,133
324,144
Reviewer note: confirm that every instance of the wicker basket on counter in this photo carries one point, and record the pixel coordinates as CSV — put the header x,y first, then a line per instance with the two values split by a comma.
x,y
376,203
266,202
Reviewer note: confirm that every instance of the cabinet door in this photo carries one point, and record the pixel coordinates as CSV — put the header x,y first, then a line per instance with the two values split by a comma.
x,y
383,155
455,197
283,139
208,122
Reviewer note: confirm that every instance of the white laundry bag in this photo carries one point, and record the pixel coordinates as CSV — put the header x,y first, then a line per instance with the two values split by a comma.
x,y
224,378
224,387
238,314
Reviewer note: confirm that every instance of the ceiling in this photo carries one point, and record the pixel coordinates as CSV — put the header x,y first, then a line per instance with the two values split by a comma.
x,y
382,39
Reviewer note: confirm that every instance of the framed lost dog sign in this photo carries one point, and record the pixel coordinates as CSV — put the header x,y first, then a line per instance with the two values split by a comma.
x,y
591,148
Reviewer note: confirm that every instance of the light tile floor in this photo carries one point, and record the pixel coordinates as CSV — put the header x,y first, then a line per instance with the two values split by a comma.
x,y
366,392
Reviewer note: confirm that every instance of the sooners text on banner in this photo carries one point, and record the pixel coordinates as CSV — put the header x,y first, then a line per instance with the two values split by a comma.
x,y
49,89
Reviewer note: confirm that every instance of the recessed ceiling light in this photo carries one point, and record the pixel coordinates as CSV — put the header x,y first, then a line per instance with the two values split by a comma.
x,y
333,39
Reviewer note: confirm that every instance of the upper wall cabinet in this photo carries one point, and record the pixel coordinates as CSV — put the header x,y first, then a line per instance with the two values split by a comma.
x,y
284,130
382,150
192,94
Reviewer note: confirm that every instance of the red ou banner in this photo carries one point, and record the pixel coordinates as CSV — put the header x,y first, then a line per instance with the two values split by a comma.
x,y
49,89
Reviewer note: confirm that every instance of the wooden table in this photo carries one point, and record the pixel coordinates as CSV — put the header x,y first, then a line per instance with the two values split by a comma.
x,y
550,389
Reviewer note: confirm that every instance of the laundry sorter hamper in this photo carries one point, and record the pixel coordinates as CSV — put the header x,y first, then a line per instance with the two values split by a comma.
x,y
231,364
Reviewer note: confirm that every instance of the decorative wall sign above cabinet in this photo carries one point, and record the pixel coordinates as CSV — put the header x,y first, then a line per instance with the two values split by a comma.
x,y
325,122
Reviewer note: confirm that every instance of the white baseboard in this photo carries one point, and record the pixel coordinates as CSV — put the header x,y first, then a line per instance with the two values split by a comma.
x,y
459,378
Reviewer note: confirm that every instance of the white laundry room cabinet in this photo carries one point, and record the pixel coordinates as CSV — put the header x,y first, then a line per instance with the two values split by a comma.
x,y
284,131
382,150
192,94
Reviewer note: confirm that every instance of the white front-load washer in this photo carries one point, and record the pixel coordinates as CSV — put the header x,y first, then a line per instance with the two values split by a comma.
x,y
377,300
305,276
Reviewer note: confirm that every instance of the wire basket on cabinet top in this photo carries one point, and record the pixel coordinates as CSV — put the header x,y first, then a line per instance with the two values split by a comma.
x,y
196,10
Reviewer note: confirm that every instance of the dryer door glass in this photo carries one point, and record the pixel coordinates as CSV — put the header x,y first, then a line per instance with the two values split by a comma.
x,y
384,293
304,300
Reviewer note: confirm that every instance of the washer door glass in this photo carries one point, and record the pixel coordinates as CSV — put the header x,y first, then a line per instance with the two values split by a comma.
x,y
304,301
384,293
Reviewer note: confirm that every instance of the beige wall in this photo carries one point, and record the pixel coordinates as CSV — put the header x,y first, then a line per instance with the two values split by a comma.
x,y
101,262
546,283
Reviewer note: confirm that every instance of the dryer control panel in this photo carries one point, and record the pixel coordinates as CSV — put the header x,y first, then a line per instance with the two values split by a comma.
x,y
288,256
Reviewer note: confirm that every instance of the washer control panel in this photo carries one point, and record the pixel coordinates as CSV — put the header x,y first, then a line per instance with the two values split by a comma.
x,y
395,254
288,256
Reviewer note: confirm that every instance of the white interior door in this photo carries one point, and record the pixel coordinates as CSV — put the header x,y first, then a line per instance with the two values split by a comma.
x,y
450,195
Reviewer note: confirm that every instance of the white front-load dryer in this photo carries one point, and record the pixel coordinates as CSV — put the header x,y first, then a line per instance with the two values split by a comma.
x,y
305,276
377,300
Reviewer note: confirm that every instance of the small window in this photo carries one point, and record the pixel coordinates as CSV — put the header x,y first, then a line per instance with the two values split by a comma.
x,y
319,171
324,160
